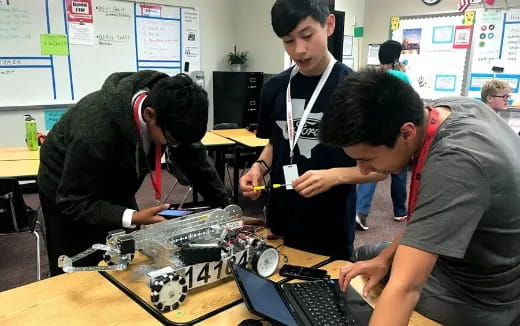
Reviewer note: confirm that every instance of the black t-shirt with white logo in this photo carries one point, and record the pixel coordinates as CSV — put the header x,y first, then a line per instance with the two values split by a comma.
x,y
323,224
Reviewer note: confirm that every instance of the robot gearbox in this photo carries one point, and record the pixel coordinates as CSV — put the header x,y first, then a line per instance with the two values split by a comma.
x,y
187,252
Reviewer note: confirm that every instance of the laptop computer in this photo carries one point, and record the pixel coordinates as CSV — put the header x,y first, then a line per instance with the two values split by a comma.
x,y
292,304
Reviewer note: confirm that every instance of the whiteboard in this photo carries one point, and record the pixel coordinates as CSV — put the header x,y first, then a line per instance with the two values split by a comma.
x,y
436,64
496,43
123,36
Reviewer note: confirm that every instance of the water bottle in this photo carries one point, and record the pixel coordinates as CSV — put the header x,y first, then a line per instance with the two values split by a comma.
x,y
30,133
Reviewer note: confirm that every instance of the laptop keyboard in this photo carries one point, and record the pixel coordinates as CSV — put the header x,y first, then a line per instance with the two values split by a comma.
x,y
319,301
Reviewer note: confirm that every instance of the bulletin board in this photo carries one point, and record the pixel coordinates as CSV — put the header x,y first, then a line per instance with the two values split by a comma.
x,y
496,44
57,51
437,50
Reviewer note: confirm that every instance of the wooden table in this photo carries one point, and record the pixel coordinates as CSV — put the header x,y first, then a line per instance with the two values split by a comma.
x,y
246,140
18,153
219,146
213,139
206,300
21,169
19,162
84,298
231,133
236,314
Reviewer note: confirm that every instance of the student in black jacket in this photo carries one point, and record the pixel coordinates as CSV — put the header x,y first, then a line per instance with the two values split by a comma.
x,y
96,157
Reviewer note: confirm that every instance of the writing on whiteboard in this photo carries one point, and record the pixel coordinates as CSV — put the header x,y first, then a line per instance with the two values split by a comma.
x,y
10,62
13,22
109,39
158,39
113,11
6,72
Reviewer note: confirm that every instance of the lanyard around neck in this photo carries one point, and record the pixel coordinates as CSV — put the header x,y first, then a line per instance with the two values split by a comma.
x,y
418,164
158,150
293,138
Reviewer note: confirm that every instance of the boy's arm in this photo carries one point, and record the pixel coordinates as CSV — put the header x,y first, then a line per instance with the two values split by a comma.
x,y
412,266
314,182
254,176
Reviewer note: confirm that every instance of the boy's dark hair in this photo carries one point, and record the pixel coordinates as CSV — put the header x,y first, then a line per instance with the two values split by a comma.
x,y
286,14
181,107
369,107
389,52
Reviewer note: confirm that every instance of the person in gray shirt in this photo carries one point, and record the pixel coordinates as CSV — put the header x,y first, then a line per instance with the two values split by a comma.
x,y
458,260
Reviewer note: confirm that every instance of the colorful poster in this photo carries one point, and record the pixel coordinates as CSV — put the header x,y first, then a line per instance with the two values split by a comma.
x,y
79,11
150,10
462,38
52,116
412,41
54,44
477,80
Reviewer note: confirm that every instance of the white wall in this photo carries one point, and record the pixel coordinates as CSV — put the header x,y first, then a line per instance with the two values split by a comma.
x,y
265,49
246,23
218,33
354,15
256,36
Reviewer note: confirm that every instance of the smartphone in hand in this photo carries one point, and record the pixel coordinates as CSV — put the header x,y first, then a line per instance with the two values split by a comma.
x,y
173,213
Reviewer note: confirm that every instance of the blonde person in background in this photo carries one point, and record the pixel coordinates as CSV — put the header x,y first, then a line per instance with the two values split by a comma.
x,y
496,94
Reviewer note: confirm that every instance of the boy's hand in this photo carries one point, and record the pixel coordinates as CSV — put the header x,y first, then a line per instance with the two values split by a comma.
x,y
149,215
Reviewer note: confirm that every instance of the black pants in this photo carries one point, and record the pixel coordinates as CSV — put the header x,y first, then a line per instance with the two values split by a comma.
x,y
63,237
437,302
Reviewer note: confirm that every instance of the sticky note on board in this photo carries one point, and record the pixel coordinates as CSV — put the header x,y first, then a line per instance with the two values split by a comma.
x,y
358,31
54,44
469,18
394,23
52,116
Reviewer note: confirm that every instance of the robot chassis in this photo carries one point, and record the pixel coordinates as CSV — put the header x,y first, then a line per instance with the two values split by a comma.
x,y
193,250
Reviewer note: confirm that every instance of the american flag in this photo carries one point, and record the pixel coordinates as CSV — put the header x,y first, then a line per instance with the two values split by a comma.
x,y
463,5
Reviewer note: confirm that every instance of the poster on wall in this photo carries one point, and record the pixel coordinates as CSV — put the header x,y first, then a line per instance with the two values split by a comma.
x,y
347,45
442,34
412,41
150,10
435,68
462,38
496,43
80,22
79,11
373,50
191,40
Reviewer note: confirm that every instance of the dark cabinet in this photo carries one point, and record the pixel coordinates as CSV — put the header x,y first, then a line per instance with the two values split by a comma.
x,y
236,97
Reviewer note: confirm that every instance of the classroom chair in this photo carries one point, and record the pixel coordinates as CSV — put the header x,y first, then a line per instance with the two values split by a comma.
x,y
180,178
245,158
16,216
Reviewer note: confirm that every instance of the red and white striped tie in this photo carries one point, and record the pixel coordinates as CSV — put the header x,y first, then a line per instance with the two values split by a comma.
x,y
463,5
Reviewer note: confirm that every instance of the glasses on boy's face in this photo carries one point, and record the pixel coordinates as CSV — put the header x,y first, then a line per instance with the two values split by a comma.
x,y
504,97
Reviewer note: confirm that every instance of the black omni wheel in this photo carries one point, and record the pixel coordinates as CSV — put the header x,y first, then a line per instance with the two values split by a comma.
x,y
168,291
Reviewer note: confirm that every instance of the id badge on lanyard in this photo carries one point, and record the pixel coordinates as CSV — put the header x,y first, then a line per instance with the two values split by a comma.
x,y
291,170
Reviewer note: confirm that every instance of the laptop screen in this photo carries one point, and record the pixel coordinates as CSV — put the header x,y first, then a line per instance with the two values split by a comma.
x,y
263,297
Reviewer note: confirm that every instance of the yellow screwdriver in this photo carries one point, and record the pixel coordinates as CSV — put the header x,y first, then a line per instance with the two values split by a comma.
x,y
274,186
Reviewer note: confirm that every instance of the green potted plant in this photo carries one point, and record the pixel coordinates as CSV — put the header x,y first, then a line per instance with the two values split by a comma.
x,y
237,59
